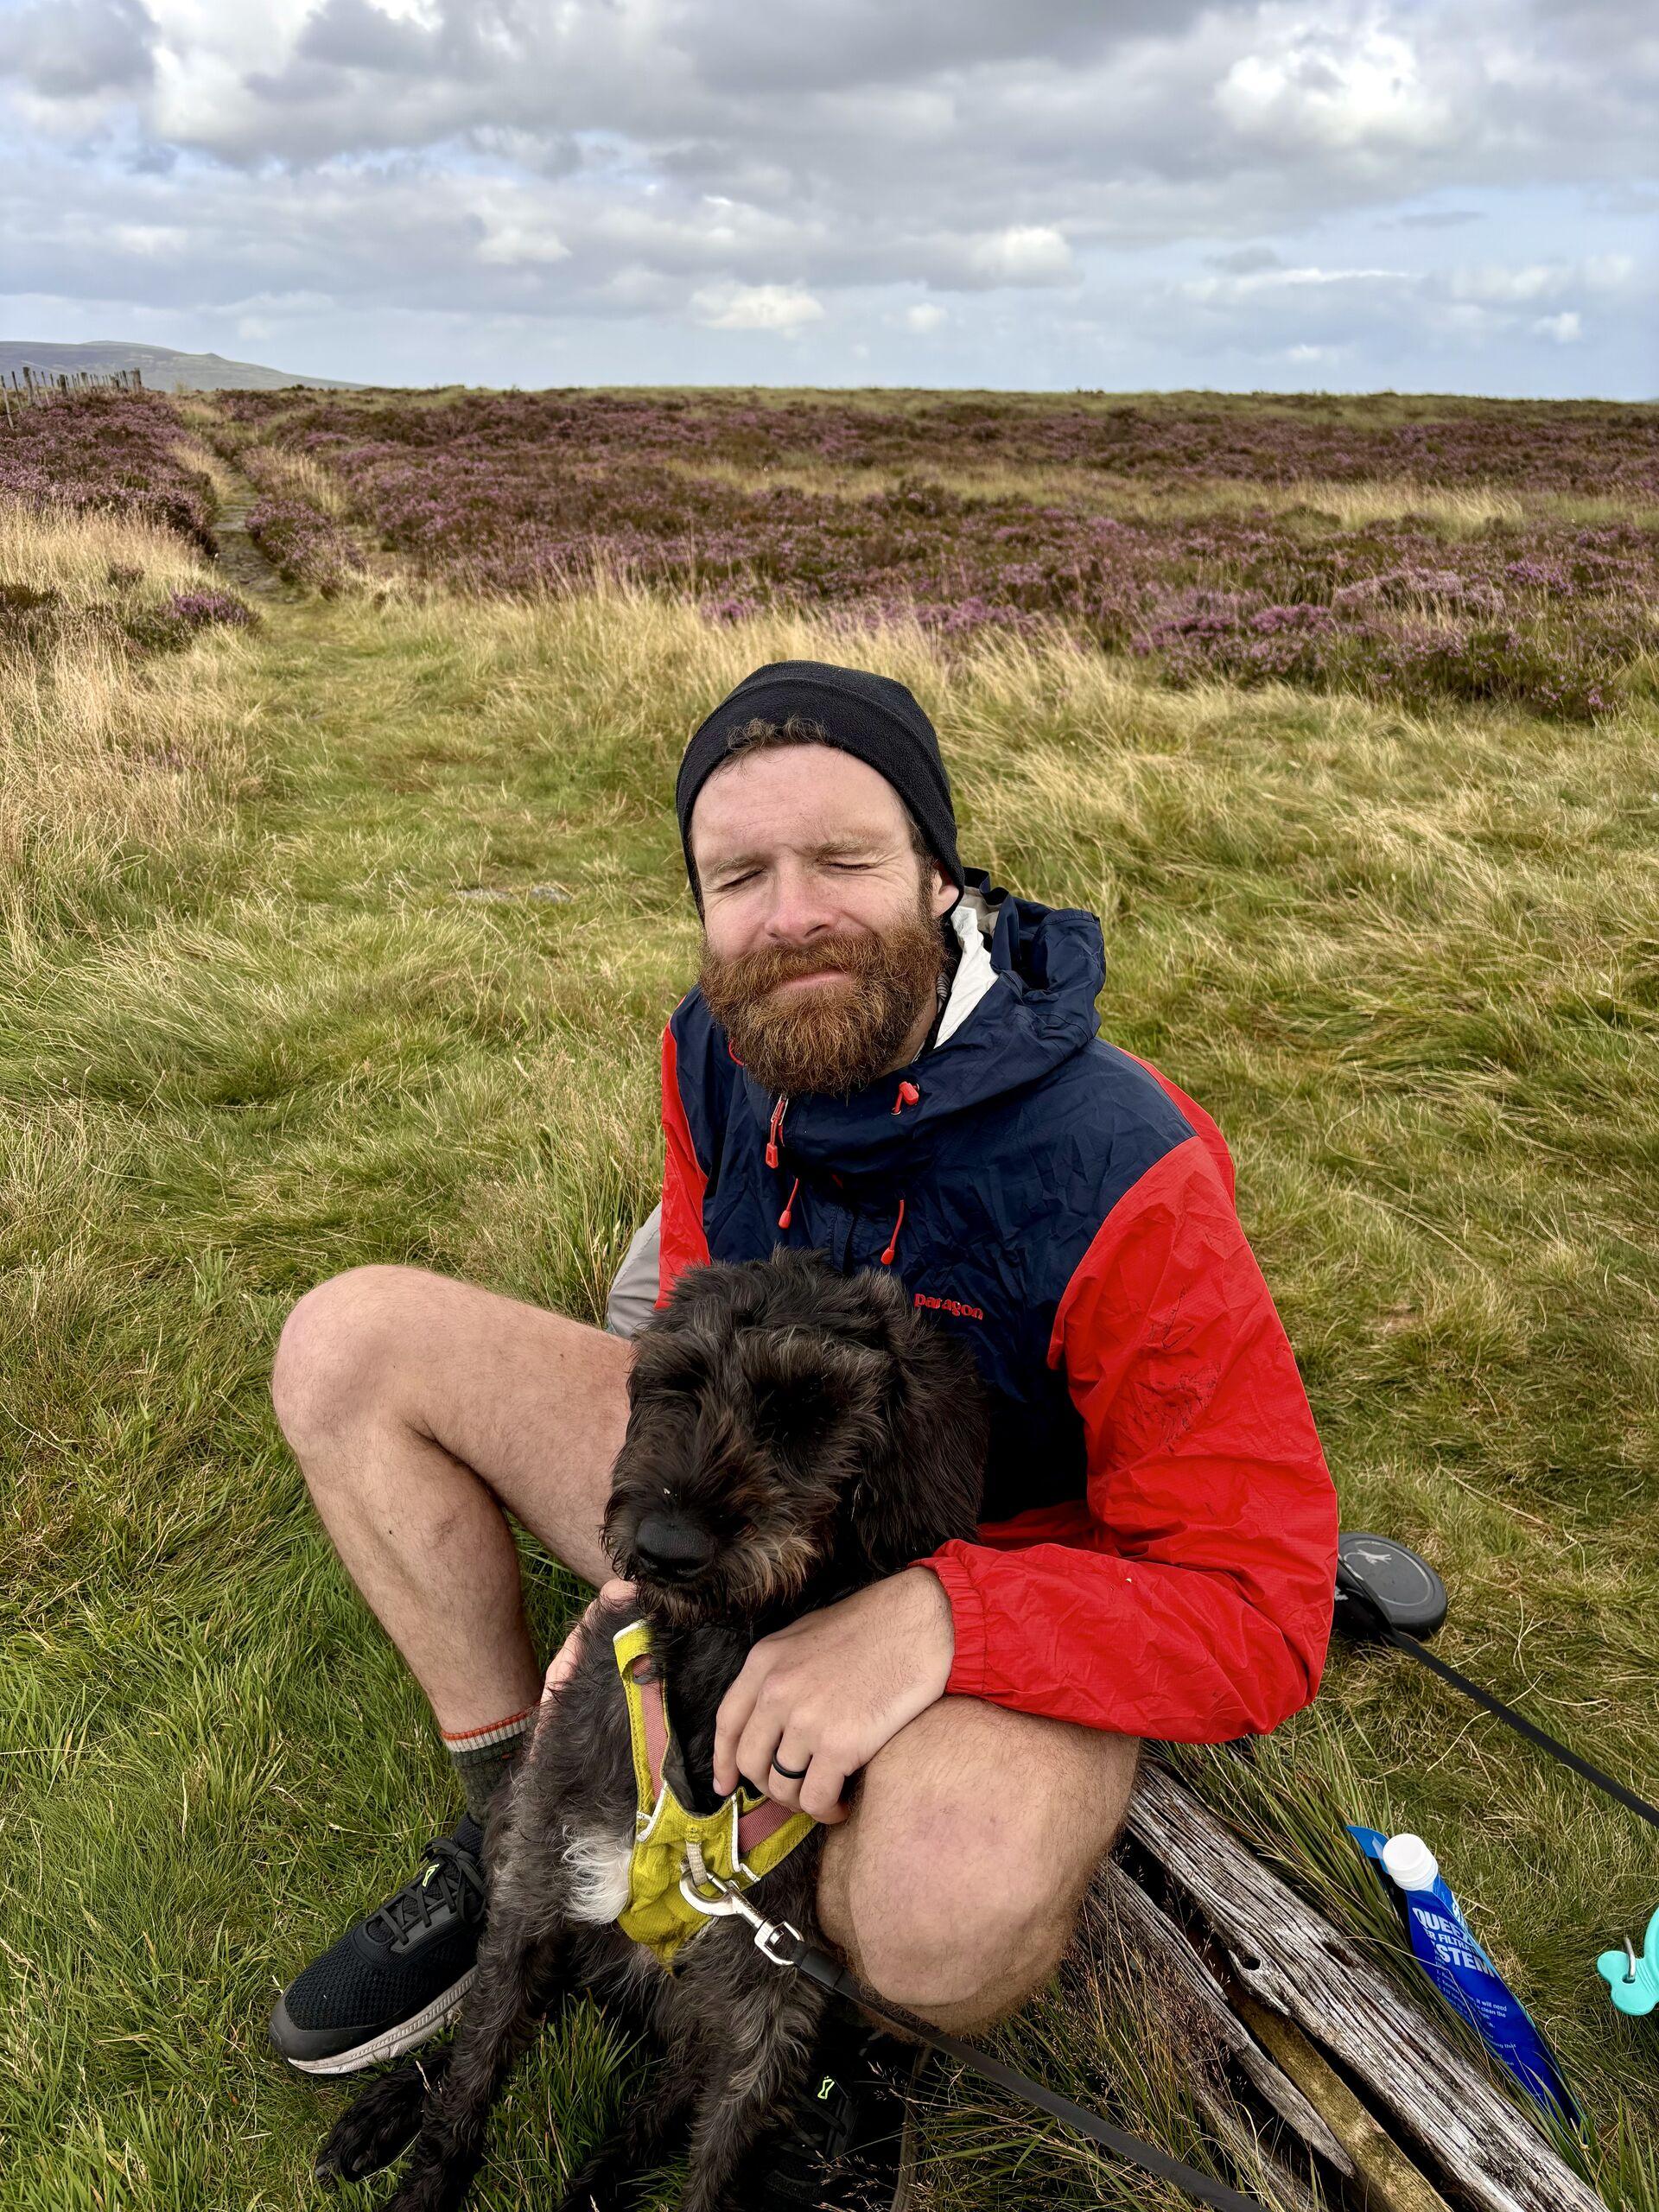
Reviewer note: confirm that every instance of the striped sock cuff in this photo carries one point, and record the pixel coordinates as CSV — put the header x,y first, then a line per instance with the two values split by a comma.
x,y
492,1731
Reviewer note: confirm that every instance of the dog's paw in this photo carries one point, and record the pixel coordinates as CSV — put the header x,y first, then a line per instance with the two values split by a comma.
x,y
380,2123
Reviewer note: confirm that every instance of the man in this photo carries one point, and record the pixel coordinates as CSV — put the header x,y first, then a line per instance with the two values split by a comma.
x,y
887,1061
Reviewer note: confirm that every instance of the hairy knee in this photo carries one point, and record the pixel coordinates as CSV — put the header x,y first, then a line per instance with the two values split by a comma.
x,y
332,1357
940,1931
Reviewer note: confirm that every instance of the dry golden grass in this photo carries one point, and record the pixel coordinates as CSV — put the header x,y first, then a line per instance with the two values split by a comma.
x,y
73,554
1455,510
106,768
273,469
107,762
192,453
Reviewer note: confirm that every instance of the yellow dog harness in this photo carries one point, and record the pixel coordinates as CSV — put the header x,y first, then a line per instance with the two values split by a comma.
x,y
745,1838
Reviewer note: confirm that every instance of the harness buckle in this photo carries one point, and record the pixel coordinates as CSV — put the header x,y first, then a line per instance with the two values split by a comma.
x,y
778,1941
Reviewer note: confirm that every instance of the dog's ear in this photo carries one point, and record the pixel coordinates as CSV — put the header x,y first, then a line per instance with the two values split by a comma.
x,y
925,1482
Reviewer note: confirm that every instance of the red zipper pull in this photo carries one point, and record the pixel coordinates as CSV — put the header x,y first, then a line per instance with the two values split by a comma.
x,y
785,1217
908,1095
887,1258
777,1124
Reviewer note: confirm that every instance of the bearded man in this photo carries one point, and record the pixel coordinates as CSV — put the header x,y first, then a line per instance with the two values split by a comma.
x,y
889,1061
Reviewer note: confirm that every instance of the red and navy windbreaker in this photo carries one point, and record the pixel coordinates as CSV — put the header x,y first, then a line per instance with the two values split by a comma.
x,y
1159,1545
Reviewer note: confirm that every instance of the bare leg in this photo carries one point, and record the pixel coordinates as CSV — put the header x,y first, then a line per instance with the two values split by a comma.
x,y
418,1408
954,1888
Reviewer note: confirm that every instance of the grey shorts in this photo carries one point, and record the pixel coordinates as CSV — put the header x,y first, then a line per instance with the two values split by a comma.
x,y
633,1293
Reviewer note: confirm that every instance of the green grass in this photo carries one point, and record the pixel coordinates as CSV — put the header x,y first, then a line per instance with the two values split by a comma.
x,y
253,1036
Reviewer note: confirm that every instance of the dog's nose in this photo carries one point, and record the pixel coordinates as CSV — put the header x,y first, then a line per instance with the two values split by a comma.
x,y
671,1548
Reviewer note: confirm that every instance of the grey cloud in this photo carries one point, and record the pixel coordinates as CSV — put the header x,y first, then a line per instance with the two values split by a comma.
x,y
620,162
353,35
1137,124
70,49
1245,260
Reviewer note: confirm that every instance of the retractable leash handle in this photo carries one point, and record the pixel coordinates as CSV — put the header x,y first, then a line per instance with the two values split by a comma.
x,y
1383,1587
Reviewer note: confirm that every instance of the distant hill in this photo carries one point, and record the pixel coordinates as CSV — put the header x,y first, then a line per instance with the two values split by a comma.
x,y
161,368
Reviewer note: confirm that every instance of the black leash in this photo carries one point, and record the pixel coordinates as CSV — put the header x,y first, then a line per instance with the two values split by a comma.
x,y
1362,1613
784,1946
819,1966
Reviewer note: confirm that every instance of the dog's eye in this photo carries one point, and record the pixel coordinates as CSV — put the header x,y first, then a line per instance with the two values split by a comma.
x,y
789,1415
668,1367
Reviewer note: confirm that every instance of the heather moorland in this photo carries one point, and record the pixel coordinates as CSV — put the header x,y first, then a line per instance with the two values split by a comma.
x,y
340,907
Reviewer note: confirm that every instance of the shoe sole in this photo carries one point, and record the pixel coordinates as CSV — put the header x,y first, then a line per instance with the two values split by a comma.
x,y
419,2029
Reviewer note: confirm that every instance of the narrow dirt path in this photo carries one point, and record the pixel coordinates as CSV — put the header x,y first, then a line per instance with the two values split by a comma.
x,y
239,557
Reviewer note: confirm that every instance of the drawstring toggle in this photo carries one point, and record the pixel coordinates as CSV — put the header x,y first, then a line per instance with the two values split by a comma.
x,y
892,1245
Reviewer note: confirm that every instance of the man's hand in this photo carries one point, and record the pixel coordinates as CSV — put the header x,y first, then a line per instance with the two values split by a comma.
x,y
826,1693
563,1664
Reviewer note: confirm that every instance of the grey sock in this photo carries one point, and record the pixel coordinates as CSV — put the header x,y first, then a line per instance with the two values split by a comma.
x,y
483,1757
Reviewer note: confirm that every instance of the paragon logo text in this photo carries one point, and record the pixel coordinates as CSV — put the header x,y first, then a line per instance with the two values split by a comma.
x,y
953,1305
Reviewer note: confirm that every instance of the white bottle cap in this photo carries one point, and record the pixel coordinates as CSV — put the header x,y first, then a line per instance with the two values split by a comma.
x,y
1410,1862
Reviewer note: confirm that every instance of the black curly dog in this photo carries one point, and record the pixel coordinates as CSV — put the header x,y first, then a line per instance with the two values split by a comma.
x,y
793,1436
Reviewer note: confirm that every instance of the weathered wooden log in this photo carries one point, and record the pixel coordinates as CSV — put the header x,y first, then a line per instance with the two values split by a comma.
x,y
1388,2180
1157,1935
1296,1964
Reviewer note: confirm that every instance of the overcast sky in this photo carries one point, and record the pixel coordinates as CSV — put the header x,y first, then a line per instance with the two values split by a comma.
x,y
1450,195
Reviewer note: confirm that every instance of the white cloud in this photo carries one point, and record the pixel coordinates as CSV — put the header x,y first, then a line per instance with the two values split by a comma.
x,y
1332,88
1533,282
1025,253
151,237
925,317
1565,328
513,244
780,308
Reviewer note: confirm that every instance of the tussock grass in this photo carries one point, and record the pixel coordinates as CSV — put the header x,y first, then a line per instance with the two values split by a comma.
x,y
1454,511
107,771
273,469
73,553
251,1036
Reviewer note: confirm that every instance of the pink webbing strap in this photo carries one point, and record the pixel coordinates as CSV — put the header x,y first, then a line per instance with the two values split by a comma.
x,y
655,1717
753,1828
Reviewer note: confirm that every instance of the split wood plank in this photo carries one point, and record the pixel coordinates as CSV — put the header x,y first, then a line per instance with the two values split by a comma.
x,y
1159,1935
1295,1963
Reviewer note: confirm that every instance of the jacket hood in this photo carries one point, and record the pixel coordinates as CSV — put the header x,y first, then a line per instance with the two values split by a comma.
x,y
1049,965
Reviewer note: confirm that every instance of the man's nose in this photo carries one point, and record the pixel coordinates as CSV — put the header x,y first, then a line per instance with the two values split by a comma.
x,y
799,909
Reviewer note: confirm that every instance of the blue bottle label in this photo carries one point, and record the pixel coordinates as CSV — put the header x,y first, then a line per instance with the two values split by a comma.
x,y
1445,1946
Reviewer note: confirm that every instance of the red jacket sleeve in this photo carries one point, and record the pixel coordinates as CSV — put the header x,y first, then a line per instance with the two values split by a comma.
x,y
1196,1605
684,1243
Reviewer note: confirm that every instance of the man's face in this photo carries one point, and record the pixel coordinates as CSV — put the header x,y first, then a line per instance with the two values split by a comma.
x,y
821,936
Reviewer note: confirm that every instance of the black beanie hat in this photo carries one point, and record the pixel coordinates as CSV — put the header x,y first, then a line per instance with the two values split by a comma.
x,y
872,717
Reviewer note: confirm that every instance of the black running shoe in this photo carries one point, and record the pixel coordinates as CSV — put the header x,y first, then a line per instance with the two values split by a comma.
x,y
397,1977
849,2142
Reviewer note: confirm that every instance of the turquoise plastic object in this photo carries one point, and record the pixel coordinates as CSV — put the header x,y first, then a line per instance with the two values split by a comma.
x,y
1633,1983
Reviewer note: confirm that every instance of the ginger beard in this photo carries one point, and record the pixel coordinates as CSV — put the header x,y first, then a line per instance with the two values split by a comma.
x,y
835,1036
